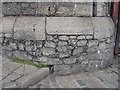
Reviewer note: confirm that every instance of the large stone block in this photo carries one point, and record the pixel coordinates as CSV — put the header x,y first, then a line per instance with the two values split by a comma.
x,y
11,9
69,25
103,30
31,28
7,24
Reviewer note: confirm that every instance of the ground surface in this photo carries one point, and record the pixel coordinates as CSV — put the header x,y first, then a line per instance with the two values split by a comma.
x,y
107,78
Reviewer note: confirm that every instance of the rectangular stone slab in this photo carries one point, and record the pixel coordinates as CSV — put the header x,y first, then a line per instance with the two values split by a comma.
x,y
103,27
69,25
31,28
7,24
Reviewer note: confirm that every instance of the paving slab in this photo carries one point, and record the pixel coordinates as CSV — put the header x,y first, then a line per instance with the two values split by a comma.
x,y
7,24
69,25
30,28
103,24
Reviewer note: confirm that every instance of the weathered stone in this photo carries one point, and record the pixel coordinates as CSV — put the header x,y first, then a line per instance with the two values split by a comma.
x,y
92,43
102,46
32,78
82,58
67,69
72,37
69,60
71,25
83,10
108,40
49,37
61,48
11,9
13,46
7,25
53,61
25,29
81,37
77,51
62,43
63,37
42,60
82,43
102,9
45,9
92,49
21,47
101,32
21,55
48,51
30,48
50,44
89,37
63,10
39,44
72,41
8,35
64,55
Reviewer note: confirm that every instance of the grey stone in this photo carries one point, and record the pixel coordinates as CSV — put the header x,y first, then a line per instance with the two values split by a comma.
x,y
82,43
64,55
101,32
77,51
13,46
8,35
30,48
63,37
72,41
67,69
49,37
83,10
63,10
102,46
42,59
62,43
21,47
72,37
89,37
70,60
71,25
102,9
25,29
82,58
92,43
21,55
54,61
48,51
50,44
92,49
32,78
81,37
108,40
11,9
7,25
61,48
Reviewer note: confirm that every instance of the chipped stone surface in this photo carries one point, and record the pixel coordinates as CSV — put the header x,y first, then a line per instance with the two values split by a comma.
x,y
103,30
7,24
30,28
71,25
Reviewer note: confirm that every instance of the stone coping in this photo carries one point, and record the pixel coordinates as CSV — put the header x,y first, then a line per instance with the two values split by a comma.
x,y
37,27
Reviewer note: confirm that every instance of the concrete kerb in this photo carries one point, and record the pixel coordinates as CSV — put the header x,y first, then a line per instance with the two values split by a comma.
x,y
33,78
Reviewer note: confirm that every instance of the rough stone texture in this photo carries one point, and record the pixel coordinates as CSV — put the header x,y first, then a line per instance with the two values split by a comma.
x,y
71,25
7,25
32,78
73,51
102,9
99,27
48,8
30,28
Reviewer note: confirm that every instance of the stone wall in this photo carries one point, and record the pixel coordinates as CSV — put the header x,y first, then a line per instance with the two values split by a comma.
x,y
55,9
71,44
